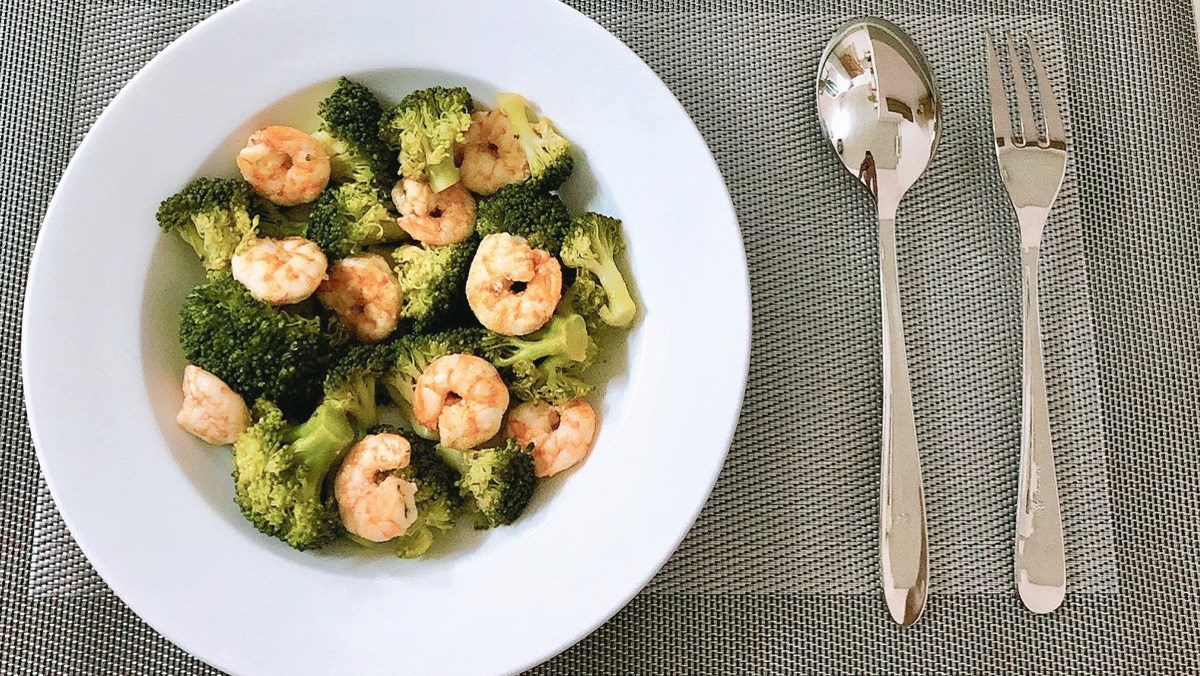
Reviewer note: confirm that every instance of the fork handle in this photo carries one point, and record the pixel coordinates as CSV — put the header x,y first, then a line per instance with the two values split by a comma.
x,y
1039,558
903,549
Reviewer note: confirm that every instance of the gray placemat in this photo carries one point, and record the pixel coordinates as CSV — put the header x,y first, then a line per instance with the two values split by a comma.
x,y
778,574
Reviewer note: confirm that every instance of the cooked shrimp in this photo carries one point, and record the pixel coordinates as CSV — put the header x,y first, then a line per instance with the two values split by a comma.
x,y
374,503
492,156
463,398
512,288
284,165
211,410
280,271
363,291
434,218
561,436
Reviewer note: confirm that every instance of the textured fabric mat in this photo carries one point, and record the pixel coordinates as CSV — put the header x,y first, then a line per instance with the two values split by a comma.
x,y
778,574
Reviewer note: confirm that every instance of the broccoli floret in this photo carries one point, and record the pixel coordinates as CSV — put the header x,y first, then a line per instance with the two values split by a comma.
x,y
424,127
593,244
279,471
213,216
557,379
351,381
350,133
257,349
349,217
410,356
433,283
279,222
518,209
438,499
585,297
549,154
563,343
498,482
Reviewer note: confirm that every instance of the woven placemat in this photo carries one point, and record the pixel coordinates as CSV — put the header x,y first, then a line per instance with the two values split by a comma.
x,y
779,572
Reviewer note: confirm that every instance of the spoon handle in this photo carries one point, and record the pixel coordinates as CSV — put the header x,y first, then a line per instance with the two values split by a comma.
x,y
903,549
1040,560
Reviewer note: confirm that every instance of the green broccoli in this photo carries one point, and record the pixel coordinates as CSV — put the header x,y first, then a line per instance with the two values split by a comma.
x,y
585,297
592,244
424,127
562,343
410,356
557,379
257,349
498,482
549,154
279,471
350,133
351,381
279,222
349,217
433,283
438,499
518,209
213,216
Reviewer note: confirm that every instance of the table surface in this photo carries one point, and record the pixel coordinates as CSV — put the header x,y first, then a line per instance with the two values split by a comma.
x,y
1132,66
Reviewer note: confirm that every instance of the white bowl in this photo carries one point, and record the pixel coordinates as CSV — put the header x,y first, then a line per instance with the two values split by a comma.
x,y
152,508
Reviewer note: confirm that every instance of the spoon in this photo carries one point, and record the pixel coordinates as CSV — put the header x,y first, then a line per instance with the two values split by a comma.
x,y
880,108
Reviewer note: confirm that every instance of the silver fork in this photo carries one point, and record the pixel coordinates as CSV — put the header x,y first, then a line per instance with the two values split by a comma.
x,y
1032,165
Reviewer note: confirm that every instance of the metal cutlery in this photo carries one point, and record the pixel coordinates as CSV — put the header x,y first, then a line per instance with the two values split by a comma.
x,y
879,107
1032,164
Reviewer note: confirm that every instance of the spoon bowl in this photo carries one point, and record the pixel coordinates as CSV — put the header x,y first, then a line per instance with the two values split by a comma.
x,y
879,106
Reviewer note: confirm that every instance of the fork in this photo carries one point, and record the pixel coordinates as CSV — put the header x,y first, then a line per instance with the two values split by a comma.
x,y
1032,165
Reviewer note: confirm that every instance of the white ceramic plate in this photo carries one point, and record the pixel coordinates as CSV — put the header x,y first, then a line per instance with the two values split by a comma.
x,y
152,508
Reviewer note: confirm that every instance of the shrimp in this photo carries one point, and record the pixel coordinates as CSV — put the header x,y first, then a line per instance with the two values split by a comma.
x,y
285,165
561,436
463,398
211,410
502,264
374,503
492,156
365,294
434,218
280,271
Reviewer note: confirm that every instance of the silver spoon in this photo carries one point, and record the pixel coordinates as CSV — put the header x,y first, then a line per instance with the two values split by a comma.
x,y
880,108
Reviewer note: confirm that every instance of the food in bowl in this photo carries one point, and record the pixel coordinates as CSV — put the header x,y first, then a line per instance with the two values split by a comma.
x,y
398,317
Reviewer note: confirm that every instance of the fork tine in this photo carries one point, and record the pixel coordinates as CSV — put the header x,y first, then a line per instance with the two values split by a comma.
x,y
1054,123
1024,106
1001,120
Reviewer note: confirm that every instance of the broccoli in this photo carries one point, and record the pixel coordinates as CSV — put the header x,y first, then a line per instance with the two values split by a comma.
x,y
410,356
498,482
557,379
279,471
438,499
562,344
433,283
257,349
518,209
213,216
549,154
585,297
424,127
350,133
349,217
351,381
279,222
592,244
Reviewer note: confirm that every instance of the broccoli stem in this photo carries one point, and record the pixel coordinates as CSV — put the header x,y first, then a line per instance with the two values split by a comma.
x,y
320,440
455,458
620,309
389,231
443,174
